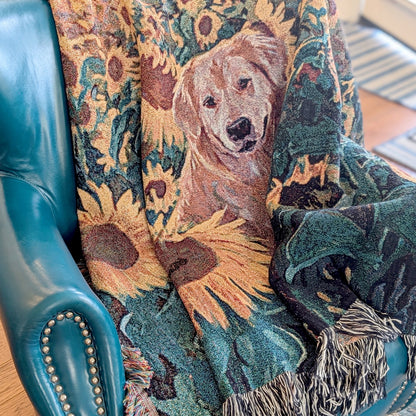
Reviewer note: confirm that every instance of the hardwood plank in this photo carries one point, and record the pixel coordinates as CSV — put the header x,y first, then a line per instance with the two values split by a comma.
x,y
5,354
383,119
13,398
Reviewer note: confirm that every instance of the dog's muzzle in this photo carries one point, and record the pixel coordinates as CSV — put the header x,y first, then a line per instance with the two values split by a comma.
x,y
238,132
239,129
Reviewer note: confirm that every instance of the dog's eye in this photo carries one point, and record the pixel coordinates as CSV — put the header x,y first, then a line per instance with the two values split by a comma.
x,y
209,102
243,83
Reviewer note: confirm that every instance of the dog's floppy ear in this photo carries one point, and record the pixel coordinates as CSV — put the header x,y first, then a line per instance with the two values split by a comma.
x,y
184,106
267,52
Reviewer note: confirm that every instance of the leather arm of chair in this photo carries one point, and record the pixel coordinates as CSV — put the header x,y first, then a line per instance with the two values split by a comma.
x,y
399,390
63,341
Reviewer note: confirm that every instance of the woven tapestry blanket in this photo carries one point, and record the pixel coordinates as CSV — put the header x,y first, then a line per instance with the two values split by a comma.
x,y
231,221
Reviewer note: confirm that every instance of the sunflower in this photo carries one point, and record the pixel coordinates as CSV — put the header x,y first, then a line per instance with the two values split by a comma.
x,y
230,268
158,126
120,68
206,28
125,13
303,172
152,40
117,245
102,144
273,17
160,188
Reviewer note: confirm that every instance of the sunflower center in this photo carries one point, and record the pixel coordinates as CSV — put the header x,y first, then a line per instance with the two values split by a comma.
x,y
186,260
159,186
109,244
115,68
205,26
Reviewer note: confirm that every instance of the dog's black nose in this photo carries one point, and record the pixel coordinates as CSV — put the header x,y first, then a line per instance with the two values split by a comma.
x,y
239,129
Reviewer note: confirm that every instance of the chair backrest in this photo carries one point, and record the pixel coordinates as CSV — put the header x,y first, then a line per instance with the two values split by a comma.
x,y
35,140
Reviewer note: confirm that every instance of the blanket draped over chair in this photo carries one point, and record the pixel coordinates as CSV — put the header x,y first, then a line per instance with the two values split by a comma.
x,y
231,221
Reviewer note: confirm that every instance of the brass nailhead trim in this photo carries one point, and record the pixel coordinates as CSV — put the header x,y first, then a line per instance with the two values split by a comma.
x,y
412,395
91,359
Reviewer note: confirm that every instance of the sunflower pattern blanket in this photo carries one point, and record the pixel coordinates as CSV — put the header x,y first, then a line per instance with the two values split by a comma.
x,y
231,221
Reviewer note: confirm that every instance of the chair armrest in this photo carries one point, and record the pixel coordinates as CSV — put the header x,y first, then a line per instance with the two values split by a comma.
x,y
60,334
399,390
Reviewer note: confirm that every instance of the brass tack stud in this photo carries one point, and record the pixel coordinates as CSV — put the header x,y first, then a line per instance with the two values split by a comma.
x,y
66,407
88,341
51,323
90,350
58,388
45,340
82,325
60,317
95,380
93,370
47,331
100,411
45,349
63,397
92,360
69,315
85,332
48,359
97,390
99,400
50,369
54,379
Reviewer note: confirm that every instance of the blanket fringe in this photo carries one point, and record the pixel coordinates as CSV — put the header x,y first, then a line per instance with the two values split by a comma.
x,y
136,367
362,321
410,342
350,372
137,402
278,397
138,377
347,377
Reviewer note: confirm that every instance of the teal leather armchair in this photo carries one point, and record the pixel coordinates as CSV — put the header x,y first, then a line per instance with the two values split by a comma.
x,y
63,340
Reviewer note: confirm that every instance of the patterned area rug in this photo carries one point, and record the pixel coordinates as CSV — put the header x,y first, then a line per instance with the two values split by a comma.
x,y
381,64
401,149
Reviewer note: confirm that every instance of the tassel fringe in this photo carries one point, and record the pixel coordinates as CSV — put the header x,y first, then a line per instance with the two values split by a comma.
x,y
362,321
350,372
138,375
274,398
137,368
410,342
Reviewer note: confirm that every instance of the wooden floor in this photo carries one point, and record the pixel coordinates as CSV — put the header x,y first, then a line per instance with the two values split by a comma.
x,y
13,399
382,121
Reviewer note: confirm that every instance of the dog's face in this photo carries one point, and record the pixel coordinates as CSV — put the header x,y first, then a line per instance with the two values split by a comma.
x,y
234,102
230,93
